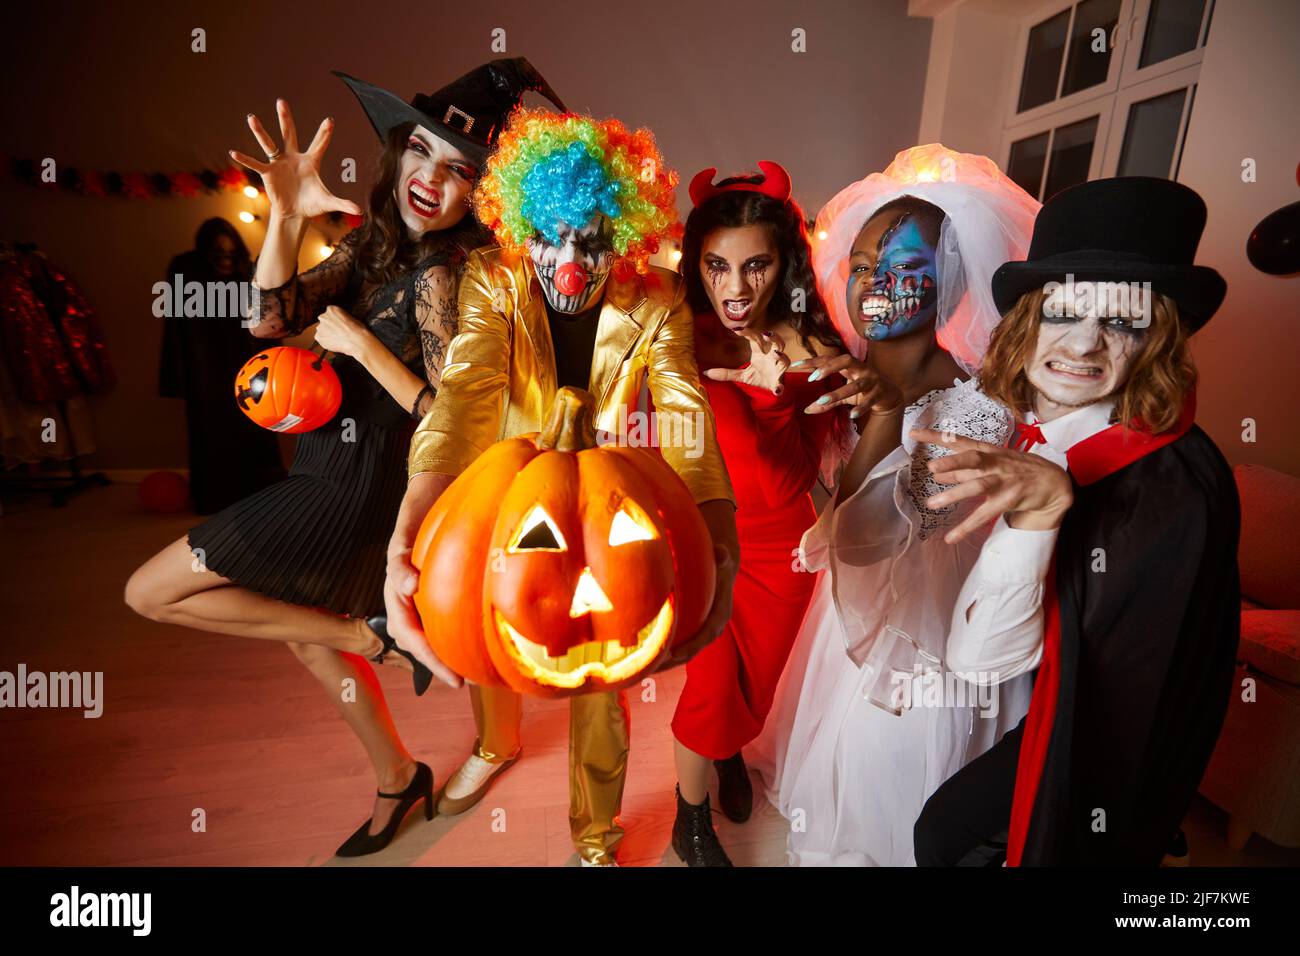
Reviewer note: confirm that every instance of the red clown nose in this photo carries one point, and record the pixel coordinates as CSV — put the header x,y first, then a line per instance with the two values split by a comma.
x,y
570,278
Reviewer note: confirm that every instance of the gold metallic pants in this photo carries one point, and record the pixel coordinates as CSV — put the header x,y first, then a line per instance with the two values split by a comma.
x,y
598,746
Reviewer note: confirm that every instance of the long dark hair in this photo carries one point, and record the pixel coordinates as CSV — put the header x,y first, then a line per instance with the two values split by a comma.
x,y
205,239
731,210
384,249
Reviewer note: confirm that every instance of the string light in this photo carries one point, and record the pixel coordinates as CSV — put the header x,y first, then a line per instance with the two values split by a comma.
x,y
247,216
326,250
251,192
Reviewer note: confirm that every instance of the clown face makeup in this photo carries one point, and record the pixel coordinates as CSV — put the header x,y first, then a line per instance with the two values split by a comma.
x,y
893,280
1080,359
573,272
433,183
740,268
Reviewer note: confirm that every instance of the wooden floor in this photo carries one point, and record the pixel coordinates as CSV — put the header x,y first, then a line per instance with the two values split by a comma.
x,y
239,729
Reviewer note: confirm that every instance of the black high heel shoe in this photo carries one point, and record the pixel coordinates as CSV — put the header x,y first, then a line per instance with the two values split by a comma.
x,y
421,676
363,842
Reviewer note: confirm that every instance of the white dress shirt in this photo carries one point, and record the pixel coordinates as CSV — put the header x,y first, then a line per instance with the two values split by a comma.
x,y
997,623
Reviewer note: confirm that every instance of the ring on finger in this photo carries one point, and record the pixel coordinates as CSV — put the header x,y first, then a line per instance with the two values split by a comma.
x,y
272,157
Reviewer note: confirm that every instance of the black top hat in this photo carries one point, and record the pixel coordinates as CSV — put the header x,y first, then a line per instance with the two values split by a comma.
x,y
1128,229
468,112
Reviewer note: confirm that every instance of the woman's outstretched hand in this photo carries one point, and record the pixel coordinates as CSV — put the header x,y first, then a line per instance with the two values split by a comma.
x,y
866,391
292,179
767,363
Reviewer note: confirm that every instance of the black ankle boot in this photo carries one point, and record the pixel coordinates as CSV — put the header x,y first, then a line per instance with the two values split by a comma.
x,y
693,838
735,792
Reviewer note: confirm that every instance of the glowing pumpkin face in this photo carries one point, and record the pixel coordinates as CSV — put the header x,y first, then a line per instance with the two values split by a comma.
x,y
556,567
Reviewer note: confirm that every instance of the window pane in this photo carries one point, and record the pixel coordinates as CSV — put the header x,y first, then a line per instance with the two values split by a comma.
x,y
1187,124
1025,168
1071,156
1043,61
1173,27
1085,67
1151,135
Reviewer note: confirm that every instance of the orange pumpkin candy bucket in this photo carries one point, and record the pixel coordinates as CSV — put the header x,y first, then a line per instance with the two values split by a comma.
x,y
555,567
287,389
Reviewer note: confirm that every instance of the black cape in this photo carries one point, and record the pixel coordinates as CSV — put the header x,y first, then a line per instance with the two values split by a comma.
x,y
230,457
1146,656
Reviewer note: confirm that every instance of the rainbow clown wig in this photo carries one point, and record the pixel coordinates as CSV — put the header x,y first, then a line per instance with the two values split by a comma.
x,y
550,168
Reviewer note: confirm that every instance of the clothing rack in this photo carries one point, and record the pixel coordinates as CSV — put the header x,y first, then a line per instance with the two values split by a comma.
x,y
57,479
59,487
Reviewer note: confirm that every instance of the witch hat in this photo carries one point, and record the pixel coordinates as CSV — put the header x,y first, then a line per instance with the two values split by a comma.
x,y
468,112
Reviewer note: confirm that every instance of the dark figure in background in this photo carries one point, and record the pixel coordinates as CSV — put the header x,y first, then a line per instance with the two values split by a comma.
x,y
230,458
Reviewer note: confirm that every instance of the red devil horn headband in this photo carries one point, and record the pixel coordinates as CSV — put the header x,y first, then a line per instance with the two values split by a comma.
x,y
776,183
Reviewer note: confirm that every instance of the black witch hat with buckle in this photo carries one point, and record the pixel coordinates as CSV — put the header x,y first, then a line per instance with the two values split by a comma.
x,y
468,113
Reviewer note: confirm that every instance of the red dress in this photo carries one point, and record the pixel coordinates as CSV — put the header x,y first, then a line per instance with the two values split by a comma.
x,y
772,450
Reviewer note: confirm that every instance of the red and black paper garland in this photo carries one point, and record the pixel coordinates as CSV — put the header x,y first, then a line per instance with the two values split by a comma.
x,y
132,185
94,182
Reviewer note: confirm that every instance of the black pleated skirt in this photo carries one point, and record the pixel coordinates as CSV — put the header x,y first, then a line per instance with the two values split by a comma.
x,y
319,537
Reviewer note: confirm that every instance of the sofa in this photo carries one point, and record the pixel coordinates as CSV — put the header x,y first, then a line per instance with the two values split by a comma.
x,y
1254,774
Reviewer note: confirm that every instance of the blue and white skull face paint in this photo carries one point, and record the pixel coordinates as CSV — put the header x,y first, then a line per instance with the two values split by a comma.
x,y
893,276
582,258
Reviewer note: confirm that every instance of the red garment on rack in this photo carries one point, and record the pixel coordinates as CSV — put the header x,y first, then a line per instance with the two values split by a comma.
x,y
52,341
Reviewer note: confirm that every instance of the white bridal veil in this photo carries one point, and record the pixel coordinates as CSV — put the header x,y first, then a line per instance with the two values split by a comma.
x,y
988,220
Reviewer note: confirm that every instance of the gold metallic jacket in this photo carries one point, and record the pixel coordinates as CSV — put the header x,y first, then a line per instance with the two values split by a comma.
x,y
499,379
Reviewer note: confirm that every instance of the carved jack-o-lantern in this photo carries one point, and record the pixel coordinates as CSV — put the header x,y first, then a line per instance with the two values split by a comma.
x,y
556,567
288,389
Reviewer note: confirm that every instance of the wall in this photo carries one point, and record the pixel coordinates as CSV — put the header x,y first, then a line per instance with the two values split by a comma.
x,y
972,57
108,86
1245,106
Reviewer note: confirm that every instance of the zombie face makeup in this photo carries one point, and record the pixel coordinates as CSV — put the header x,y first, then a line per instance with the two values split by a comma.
x,y
893,279
740,268
433,183
1080,358
573,272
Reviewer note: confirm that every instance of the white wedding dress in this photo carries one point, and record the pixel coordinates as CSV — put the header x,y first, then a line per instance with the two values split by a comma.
x,y
867,722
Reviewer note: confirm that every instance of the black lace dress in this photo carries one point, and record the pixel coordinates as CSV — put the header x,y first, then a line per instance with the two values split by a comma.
x,y
319,537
